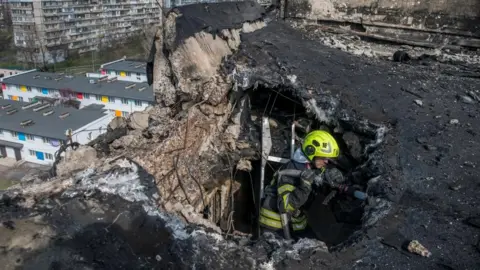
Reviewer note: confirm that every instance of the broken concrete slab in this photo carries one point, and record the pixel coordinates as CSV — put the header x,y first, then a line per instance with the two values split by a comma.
x,y
76,160
138,120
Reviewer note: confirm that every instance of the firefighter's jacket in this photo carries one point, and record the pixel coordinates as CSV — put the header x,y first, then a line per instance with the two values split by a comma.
x,y
286,195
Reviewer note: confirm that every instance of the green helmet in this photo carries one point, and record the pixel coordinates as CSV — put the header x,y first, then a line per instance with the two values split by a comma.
x,y
320,143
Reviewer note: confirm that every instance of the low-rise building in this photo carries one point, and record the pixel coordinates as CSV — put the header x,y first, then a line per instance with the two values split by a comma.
x,y
35,131
123,70
5,72
119,97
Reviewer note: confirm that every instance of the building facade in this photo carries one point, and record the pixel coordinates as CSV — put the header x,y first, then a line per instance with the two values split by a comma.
x,y
123,70
34,132
51,28
120,98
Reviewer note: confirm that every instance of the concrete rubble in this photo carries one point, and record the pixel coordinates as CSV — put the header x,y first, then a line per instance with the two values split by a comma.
x,y
158,189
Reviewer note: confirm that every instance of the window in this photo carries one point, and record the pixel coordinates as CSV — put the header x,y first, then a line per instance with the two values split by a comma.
x,y
125,114
14,134
32,153
138,103
111,99
30,137
129,73
20,98
29,89
1,132
98,97
86,96
138,74
30,99
124,101
46,140
48,156
10,97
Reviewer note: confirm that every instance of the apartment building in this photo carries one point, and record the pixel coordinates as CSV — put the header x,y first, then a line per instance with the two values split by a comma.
x,y
120,98
124,70
34,131
54,27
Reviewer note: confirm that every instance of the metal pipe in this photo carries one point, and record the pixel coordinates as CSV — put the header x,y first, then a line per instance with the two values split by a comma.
x,y
285,226
292,142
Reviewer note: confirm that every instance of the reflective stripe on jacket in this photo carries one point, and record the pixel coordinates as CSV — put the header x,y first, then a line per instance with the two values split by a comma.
x,y
285,195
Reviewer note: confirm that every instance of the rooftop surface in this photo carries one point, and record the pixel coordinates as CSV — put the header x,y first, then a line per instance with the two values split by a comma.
x,y
128,65
82,84
51,125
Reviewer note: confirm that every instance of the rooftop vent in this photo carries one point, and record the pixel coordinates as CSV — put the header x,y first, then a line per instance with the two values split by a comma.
x,y
104,78
130,86
61,73
12,111
92,81
58,79
139,66
48,112
63,115
27,123
44,106
36,76
6,106
112,79
30,105
68,76
48,78
141,89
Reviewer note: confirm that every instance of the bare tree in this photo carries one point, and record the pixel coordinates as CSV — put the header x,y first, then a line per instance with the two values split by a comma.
x,y
33,45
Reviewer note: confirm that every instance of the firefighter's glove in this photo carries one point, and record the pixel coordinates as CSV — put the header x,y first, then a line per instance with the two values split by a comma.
x,y
334,176
307,177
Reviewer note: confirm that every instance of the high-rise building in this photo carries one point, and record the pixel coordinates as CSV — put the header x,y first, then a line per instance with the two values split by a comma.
x,y
45,30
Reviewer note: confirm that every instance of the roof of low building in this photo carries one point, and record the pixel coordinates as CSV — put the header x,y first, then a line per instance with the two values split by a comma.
x,y
82,84
127,65
46,122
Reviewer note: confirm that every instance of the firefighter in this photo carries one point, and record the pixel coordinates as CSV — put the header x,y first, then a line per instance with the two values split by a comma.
x,y
286,194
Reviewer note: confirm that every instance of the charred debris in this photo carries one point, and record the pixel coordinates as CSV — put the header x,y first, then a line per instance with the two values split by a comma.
x,y
218,70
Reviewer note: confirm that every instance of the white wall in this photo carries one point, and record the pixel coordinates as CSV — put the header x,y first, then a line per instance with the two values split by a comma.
x,y
91,131
116,104
129,76
37,144
80,135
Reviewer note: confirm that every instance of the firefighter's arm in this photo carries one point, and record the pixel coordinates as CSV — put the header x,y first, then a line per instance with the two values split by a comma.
x,y
291,197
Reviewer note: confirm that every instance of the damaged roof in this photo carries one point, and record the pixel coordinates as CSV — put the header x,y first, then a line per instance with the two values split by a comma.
x,y
81,84
214,17
46,122
127,65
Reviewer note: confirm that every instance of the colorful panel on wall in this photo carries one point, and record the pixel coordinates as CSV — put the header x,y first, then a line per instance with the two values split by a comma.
x,y
45,91
21,136
15,98
23,88
118,113
123,74
80,95
103,72
104,99
4,87
40,156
